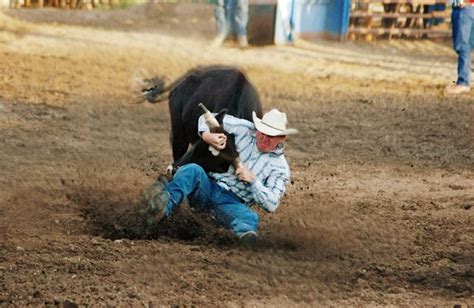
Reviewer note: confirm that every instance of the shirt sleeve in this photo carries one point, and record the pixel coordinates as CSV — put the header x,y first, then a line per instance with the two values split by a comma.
x,y
202,126
231,124
237,126
267,195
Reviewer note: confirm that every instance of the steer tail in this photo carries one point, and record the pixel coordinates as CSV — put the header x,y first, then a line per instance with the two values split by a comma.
x,y
153,89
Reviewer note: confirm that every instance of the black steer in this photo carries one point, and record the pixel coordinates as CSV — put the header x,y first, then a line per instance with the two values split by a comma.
x,y
218,88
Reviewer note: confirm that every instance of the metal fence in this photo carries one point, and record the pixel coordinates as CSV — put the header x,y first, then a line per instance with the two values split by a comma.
x,y
399,18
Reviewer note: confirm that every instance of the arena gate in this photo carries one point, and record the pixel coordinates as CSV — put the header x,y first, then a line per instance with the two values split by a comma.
x,y
399,18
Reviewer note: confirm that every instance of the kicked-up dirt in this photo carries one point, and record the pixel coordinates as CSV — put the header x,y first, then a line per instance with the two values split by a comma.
x,y
380,206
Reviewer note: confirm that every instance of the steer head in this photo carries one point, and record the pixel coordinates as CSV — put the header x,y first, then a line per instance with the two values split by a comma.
x,y
200,154
229,153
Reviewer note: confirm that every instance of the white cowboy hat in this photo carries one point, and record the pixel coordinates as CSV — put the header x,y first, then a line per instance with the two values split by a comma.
x,y
273,123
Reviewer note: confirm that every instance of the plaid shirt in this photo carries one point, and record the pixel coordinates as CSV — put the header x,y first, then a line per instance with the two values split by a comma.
x,y
271,169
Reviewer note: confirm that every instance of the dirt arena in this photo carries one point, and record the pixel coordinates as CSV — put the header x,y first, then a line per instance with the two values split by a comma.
x,y
379,210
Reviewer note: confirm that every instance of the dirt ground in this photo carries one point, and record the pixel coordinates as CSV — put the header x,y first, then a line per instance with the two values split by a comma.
x,y
380,207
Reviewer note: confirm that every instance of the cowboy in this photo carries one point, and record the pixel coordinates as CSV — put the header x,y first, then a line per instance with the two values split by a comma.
x,y
260,179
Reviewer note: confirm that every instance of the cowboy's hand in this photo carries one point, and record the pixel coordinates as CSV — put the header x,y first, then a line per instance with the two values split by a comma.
x,y
217,141
245,174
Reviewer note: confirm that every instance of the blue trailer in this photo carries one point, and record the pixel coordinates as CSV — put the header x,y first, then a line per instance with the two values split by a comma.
x,y
309,19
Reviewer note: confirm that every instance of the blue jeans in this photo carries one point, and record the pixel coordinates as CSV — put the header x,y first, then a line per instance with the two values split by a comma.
x,y
207,196
232,17
462,21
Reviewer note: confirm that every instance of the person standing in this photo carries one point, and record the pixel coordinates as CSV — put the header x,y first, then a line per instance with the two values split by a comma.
x,y
231,18
462,19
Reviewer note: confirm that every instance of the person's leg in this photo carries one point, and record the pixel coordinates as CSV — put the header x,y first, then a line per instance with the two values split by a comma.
x,y
205,195
461,22
155,199
234,215
238,19
189,181
241,17
230,16
162,197
222,22
219,14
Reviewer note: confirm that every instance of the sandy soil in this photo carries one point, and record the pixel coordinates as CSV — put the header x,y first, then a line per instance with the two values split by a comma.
x,y
380,206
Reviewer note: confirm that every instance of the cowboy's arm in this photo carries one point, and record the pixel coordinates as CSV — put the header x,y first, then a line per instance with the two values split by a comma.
x,y
237,127
267,193
216,140
231,124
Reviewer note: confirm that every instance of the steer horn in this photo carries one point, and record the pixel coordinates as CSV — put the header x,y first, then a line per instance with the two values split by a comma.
x,y
212,123
211,120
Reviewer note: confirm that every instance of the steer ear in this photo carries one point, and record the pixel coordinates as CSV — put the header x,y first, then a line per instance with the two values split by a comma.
x,y
220,116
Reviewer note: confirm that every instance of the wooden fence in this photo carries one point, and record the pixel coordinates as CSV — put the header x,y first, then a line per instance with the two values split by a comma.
x,y
69,4
399,18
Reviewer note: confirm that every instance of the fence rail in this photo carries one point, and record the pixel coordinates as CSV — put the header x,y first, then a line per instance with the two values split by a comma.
x,y
72,4
399,18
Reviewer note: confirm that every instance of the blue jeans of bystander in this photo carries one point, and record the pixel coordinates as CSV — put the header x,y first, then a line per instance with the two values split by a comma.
x,y
462,21
231,17
206,195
